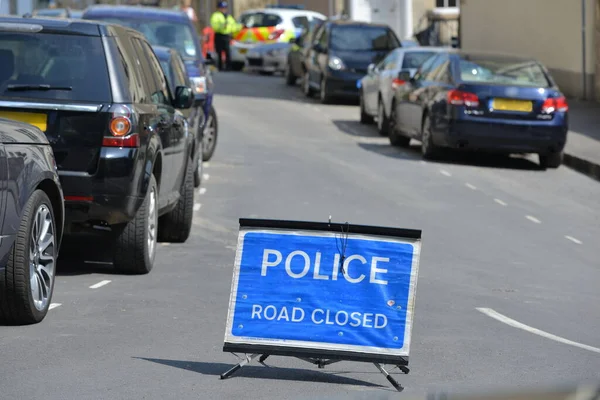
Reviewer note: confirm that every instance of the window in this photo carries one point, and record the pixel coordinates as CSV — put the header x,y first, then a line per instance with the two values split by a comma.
x,y
322,39
362,38
447,3
162,95
436,67
161,33
166,66
154,81
389,62
67,61
131,68
301,23
502,72
260,20
425,68
414,59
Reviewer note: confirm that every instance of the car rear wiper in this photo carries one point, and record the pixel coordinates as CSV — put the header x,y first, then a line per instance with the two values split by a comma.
x,y
25,87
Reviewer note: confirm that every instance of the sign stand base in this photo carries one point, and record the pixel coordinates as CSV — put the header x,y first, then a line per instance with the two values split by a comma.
x,y
319,362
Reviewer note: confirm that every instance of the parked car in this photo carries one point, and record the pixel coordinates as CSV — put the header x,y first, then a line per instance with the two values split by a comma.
x,y
295,67
340,55
268,25
101,97
31,227
477,101
268,58
377,87
171,28
174,68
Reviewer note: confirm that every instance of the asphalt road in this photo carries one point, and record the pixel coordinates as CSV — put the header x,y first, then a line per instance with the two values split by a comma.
x,y
494,237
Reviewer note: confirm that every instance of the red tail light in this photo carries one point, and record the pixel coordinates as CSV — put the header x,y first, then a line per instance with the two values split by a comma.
x,y
120,127
460,98
79,198
276,34
555,104
397,82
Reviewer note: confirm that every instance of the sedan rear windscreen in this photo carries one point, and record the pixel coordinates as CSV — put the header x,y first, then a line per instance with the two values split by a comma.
x,y
53,67
362,38
503,72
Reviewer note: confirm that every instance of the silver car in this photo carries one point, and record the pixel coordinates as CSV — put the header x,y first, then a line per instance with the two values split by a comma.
x,y
377,87
268,58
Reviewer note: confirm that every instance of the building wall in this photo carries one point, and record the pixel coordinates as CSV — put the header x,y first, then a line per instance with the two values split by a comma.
x,y
549,30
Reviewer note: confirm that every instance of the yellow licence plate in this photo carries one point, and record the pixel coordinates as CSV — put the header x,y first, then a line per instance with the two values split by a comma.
x,y
243,51
512,105
36,119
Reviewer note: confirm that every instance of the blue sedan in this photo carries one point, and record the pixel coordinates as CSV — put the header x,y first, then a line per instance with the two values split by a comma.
x,y
477,101
174,29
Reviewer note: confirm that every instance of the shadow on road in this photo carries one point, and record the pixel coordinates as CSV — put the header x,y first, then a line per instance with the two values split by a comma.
x,y
262,372
355,128
485,160
85,255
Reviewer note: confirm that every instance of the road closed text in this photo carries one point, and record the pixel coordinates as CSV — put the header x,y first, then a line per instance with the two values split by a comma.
x,y
319,316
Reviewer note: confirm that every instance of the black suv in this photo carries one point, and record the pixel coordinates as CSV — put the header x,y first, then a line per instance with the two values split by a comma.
x,y
123,152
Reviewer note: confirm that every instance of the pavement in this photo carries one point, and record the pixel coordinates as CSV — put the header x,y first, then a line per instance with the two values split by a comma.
x,y
582,151
504,244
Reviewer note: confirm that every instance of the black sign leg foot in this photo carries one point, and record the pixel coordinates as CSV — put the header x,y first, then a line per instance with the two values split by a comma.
x,y
235,368
263,358
389,377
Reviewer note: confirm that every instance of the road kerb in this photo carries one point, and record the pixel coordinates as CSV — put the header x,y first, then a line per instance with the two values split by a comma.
x,y
582,165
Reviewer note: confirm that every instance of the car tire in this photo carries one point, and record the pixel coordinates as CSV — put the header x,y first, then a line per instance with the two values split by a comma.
x,y
365,118
382,120
428,149
20,303
551,160
238,65
323,95
209,139
175,227
396,138
136,242
290,79
308,91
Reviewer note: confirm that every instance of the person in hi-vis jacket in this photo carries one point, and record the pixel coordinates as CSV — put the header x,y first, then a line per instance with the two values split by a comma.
x,y
224,26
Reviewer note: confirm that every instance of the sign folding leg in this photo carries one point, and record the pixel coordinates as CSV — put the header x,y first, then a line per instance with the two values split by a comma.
x,y
389,377
319,362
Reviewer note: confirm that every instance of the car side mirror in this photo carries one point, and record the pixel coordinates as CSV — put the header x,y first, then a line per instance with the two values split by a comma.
x,y
371,68
184,97
405,76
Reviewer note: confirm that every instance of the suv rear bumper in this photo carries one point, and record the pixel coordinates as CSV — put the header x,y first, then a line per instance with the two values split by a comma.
x,y
111,196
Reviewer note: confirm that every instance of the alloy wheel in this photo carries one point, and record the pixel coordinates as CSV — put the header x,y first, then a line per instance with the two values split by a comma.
x,y
208,141
152,223
42,254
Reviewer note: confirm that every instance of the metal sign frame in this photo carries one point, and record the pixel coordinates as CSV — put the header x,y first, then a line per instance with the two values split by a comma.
x,y
314,354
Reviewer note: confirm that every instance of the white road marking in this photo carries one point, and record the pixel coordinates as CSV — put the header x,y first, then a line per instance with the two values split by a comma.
x,y
166,244
202,190
533,219
572,239
444,172
54,305
500,202
516,324
100,284
197,206
423,162
205,177
206,164
473,187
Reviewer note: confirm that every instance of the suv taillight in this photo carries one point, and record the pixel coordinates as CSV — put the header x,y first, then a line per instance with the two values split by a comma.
x,y
460,98
120,127
397,82
276,34
555,104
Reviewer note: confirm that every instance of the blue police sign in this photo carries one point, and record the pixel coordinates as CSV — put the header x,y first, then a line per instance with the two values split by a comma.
x,y
319,287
